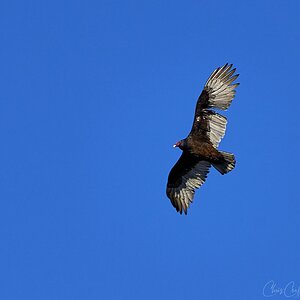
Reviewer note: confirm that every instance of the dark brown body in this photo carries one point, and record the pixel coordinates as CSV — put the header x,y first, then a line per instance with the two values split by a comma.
x,y
203,150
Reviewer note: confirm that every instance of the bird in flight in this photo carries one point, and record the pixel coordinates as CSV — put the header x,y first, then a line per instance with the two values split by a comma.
x,y
199,149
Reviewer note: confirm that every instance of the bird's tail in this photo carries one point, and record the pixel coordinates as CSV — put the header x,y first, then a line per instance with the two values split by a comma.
x,y
226,164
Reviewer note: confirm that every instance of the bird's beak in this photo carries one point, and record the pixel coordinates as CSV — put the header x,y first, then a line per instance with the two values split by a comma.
x,y
174,146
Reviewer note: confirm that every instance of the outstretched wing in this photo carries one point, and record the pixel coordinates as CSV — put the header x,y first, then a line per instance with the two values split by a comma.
x,y
187,175
219,89
218,92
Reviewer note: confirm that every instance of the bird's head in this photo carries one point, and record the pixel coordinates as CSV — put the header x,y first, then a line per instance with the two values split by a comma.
x,y
180,144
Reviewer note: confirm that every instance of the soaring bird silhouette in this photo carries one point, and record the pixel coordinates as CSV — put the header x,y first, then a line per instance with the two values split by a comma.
x,y
199,149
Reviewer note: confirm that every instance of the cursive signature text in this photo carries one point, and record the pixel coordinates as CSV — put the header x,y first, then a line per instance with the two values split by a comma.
x,y
289,290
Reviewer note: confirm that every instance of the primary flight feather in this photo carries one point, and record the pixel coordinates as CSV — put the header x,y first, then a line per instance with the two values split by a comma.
x,y
199,149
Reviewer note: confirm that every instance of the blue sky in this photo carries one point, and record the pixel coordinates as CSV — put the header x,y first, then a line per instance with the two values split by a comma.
x,y
93,95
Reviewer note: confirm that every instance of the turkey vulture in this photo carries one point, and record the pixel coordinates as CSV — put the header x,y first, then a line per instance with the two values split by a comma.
x,y
199,149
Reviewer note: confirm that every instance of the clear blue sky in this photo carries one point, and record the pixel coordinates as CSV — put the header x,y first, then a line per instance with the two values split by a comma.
x,y
93,95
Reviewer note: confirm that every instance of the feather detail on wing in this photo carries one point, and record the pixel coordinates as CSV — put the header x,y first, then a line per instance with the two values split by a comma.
x,y
210,125
218,91
187,175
